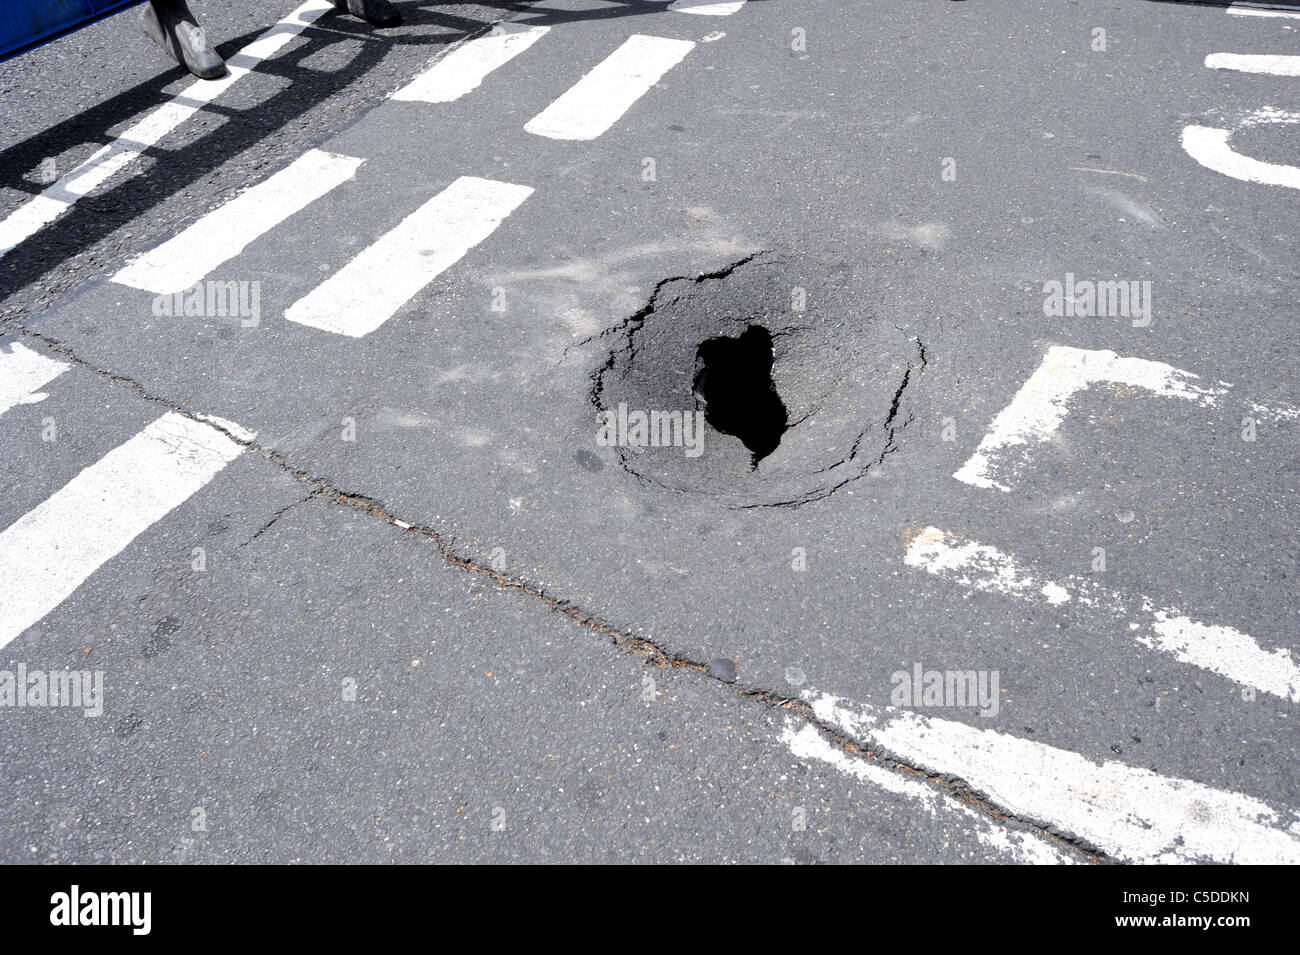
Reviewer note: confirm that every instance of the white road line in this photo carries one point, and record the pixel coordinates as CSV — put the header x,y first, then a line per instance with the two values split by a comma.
x,y
708,8
22,372
47,553
805,742
463,69
595,103
366,292
222,234
1246,11
43,209
1273,65
1042,402
1132,814
1209,147
1222,650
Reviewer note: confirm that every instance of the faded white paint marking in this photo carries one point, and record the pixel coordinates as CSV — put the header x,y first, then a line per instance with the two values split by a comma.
x,y
180,262
464,69
1042,403
1222,650
805,742
368,290
1272,64
595,102
1209,147
708,8
22,373
1132,814
47,553
107,161
1108,172
1277,412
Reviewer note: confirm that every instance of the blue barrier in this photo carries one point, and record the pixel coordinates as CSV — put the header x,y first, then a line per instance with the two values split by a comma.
x,y
25,24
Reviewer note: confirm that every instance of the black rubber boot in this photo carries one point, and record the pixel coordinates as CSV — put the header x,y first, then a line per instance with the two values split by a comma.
x,y
170,24
378,13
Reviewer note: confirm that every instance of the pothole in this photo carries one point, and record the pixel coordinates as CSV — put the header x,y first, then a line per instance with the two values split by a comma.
x,y
734,383
798,385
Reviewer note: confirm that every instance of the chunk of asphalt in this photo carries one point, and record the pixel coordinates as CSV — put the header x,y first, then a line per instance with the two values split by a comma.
x,y
723,669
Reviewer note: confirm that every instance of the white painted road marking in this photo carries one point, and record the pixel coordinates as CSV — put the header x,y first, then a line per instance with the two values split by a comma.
x,y
1209,147
1222,650
1250,11
180,262
807,743
1042,402
41,210
463,69
47,553
1134,815
368,290
708,8
595,102
22,372
1274,65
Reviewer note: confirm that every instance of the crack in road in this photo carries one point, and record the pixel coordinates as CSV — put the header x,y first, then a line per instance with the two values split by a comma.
x,y
651,652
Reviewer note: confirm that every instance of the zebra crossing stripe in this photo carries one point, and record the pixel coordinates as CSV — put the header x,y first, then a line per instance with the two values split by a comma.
x,y
22,372
595,102
105,162
222,234
708,8
464,69
368,290
1272,64
49,552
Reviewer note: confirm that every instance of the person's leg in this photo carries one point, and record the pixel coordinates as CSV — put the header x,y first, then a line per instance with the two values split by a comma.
x,y
170,24
379,13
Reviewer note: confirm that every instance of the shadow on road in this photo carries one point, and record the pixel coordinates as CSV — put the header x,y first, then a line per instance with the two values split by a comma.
x,y
127,197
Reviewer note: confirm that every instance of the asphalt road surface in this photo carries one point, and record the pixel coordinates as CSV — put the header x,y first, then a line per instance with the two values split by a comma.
x,y
310,491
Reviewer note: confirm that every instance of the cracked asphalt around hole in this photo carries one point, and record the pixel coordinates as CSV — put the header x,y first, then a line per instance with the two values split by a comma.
x,y
428,554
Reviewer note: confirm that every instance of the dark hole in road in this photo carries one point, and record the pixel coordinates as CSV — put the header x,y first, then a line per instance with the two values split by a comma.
x,y
734,381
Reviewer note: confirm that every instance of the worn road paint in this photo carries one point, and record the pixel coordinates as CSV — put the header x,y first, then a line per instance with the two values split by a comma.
x,y
1222,650
807,743
1134,815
